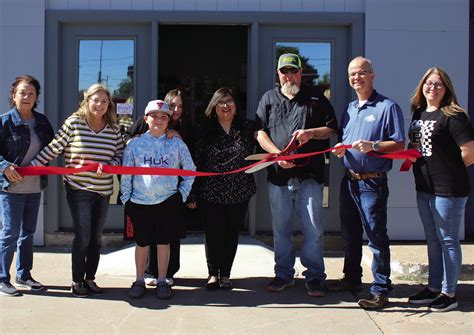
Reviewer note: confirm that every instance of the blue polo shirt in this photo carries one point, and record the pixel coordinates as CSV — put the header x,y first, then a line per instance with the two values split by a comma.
x,y
379,119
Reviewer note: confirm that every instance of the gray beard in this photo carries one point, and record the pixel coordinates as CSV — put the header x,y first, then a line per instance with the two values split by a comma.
x,y
290,89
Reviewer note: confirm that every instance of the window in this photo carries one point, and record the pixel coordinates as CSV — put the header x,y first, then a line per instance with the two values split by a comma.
x,y
110,62
316,60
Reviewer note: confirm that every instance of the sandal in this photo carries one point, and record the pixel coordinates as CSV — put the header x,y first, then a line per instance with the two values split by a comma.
x,y
225,283
212,283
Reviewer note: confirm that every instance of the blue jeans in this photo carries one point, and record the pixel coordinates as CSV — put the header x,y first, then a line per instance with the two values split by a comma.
x,y
20,212
441,218
363,204
88,211
304,198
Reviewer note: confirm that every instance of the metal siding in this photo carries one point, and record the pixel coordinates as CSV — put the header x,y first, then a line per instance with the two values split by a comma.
x,y
100,4
142,4
356,6
227,5
57,4
121,4
313,5
14,14
206,5
334,5
419,15
163,4
214,5
402,46
79,4
292,5
185,4
249,5
270,5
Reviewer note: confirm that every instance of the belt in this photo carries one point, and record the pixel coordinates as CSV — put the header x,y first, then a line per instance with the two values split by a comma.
x,y
362,176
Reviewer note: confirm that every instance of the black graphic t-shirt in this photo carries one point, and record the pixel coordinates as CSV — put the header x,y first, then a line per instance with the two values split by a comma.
x,y
440,170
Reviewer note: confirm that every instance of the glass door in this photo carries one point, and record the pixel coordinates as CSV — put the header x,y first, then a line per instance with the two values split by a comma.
x,y
324,54
117,56
111,63
316,61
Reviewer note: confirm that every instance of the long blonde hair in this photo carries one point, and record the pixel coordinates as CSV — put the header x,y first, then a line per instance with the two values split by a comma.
x,y
449,105
84,112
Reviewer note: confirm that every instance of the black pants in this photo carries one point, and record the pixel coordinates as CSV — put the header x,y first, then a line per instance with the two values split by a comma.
x,y
173,265
222,225
89,212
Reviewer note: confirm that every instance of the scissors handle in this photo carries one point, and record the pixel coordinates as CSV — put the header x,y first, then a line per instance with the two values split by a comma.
x,y
292,146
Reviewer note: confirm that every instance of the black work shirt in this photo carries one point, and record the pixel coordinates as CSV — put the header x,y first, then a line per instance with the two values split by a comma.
x,y
279,117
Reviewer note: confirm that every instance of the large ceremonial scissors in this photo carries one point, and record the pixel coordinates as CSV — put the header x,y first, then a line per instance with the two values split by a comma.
x,y
271,158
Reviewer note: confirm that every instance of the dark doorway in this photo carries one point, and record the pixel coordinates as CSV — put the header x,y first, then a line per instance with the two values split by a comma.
x,y
199,59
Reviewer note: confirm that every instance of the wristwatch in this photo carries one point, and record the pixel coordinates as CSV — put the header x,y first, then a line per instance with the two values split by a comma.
x,y
376,145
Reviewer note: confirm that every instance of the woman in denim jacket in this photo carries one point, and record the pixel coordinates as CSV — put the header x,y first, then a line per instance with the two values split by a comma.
x,y
23,133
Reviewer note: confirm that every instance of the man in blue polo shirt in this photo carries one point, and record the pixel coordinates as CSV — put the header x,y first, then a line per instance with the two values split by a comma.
x,y
293,109
371,123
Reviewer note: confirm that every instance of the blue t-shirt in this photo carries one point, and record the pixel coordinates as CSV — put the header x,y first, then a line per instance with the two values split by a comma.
x,y
379,119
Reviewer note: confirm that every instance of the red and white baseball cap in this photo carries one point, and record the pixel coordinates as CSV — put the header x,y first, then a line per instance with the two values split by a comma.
x,y
158,106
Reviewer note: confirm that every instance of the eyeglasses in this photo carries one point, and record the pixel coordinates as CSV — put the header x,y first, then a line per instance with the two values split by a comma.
x,y
98,102
229,103
434,84
361,74
292,70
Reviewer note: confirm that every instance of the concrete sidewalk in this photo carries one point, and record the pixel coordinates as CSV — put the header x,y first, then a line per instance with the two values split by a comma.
x,y
248,309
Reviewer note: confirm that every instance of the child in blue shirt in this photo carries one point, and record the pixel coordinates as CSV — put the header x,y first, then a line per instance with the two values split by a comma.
x,y
154,204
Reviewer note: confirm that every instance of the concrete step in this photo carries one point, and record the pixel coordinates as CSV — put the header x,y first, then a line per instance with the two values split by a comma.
x,y
409,261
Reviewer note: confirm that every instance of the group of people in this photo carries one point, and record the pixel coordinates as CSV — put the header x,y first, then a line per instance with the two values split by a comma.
x,y
440,129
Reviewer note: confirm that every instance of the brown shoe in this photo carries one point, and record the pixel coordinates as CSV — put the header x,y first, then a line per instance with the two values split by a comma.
x,y
373,302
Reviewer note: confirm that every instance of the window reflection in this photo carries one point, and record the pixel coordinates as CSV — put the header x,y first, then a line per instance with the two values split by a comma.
x,y
112,63
316,60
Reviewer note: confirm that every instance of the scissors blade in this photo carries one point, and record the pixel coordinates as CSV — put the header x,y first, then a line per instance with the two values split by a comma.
x,y
257,157
259,167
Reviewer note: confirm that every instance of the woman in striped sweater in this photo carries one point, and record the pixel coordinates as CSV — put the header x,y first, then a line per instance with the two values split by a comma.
x,y
90,135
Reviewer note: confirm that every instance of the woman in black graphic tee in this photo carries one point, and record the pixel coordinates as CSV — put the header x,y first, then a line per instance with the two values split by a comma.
x,y
442,132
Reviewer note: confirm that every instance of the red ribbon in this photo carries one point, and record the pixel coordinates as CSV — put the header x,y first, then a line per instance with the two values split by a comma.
x,y
155,171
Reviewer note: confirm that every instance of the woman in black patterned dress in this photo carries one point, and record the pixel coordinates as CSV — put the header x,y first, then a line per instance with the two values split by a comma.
x,y
223,140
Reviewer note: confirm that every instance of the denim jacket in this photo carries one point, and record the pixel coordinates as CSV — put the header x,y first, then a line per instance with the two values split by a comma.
x,y
15,141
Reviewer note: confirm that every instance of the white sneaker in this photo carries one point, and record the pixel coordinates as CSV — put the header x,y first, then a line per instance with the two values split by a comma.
x,y
170,281
150,281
